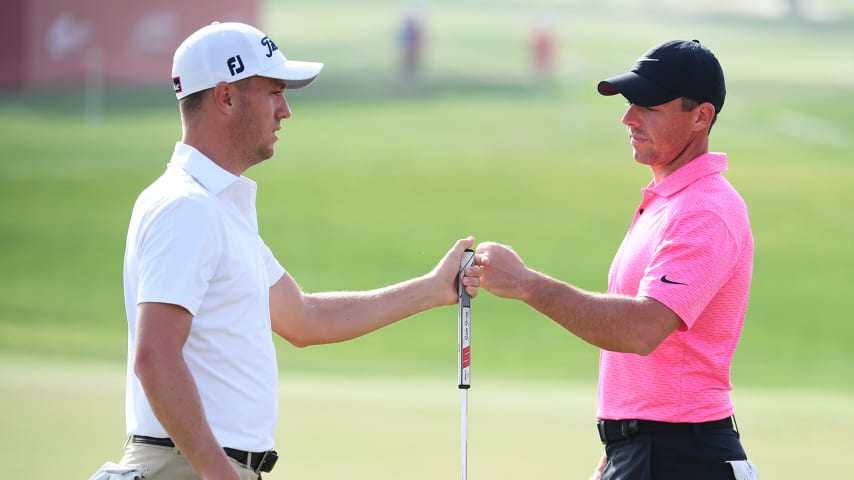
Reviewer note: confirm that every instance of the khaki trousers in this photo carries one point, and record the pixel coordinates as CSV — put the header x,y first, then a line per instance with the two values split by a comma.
x,y
167,463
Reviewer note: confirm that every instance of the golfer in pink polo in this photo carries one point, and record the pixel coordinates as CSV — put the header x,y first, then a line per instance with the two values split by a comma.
x,y
677,288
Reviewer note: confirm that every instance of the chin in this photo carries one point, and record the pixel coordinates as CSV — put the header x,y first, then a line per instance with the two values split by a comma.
x,y
643,158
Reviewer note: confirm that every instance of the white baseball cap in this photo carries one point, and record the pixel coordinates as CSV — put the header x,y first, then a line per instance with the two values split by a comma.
x,y
230,51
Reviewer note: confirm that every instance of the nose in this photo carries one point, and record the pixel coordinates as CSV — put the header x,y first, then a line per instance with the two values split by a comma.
x,y
630,118
283,110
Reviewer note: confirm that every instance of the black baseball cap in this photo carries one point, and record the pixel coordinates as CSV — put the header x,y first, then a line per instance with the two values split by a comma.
x,y
670,70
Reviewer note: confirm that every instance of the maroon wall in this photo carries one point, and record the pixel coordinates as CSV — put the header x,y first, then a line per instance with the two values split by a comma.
x,y
44,42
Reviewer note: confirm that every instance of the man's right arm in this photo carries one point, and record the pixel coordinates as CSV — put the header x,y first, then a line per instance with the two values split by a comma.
x,y
617,323
161,331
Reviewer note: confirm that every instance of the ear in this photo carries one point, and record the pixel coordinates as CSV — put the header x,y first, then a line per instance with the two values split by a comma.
x,y
223,97
705,113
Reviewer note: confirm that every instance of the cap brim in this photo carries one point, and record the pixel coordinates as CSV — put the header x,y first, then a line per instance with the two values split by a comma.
x,y
637,90
296,73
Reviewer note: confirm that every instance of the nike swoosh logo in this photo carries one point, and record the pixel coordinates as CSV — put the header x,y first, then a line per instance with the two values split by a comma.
x,y
665,280
644,59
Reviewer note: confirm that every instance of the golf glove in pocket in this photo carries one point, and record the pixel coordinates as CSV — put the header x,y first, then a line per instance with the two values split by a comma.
x,y
743,470
112,471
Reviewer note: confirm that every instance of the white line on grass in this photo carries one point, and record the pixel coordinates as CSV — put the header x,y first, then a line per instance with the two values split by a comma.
x,y
813,129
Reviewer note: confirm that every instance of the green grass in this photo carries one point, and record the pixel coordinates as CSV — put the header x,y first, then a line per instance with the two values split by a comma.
x,y
373,182
369,427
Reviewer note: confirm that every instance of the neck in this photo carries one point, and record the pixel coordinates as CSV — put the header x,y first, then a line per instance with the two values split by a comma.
x,y
217,151
691,151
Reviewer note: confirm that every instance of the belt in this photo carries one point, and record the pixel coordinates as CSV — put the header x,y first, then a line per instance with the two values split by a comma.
x,y
616,430
255,461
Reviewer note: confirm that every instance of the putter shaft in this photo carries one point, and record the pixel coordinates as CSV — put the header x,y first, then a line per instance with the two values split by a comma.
x,y
464,357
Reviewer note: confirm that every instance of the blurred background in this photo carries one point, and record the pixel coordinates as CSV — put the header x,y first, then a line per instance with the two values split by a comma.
x,y
432,120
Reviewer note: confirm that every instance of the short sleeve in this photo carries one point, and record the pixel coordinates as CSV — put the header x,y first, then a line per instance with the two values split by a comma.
x,y
695,258
274,268
178,253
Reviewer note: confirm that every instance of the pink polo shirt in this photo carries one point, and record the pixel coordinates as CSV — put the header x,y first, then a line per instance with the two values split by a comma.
x,y
689,247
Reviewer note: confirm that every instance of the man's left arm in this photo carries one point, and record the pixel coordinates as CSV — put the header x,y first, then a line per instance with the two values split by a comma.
x,y
320,318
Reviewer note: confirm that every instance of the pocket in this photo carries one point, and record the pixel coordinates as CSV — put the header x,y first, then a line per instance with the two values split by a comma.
x,y
630,458
244,472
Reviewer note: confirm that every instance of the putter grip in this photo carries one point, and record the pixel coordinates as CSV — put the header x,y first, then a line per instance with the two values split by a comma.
x,y
464,325
466,261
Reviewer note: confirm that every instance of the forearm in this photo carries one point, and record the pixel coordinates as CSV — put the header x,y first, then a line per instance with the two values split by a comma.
x,y
612,322
338,316
311,319
172,394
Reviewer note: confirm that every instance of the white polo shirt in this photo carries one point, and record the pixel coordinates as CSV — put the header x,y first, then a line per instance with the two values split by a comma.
x,y
193,241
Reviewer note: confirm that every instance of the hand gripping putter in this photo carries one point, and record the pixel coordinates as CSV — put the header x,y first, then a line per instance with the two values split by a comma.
x,y
464,355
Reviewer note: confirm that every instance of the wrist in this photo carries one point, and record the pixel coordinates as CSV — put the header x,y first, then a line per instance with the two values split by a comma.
x,y
530,285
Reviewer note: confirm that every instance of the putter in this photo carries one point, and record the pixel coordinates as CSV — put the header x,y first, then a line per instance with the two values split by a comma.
x,y
464,355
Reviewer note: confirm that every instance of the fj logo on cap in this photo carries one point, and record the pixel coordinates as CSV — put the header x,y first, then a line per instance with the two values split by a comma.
x,y
235,65
271,47
176,84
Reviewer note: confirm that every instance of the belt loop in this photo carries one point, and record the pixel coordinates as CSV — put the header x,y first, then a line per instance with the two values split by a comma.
x,y
261,463
735,426
628,428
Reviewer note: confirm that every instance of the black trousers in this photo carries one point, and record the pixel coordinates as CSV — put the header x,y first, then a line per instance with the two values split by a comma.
x,y
694,455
